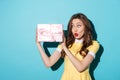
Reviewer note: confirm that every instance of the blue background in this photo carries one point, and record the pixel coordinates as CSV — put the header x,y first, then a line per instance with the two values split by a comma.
x,y
19,56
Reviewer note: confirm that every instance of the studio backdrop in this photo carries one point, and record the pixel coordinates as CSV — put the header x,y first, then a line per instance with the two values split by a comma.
x,y
19,55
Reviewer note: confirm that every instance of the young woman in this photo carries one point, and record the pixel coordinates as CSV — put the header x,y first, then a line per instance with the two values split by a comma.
x,y
78,49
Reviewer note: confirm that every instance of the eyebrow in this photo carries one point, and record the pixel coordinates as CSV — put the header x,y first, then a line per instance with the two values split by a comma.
x,y
77,23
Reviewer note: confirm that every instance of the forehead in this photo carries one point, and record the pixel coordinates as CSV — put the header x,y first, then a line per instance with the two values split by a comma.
x,y
75,21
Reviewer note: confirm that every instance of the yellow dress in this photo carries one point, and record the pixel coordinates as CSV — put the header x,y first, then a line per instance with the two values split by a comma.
x,y
70,72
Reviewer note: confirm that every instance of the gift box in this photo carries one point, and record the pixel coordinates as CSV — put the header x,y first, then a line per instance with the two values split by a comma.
x,y
50,32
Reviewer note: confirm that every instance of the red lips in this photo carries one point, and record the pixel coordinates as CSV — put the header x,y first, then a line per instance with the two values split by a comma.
x,y
76,34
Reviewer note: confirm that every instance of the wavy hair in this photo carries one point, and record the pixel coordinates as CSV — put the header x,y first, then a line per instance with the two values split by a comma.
x,y
87,36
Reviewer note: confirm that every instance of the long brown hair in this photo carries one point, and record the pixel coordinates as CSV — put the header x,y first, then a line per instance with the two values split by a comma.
x,y
87,37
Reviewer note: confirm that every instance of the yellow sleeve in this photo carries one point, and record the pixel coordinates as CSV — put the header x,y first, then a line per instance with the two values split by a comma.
x,y
94,47
59,48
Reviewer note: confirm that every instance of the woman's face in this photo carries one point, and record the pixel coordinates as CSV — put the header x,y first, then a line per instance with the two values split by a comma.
x,y
77,28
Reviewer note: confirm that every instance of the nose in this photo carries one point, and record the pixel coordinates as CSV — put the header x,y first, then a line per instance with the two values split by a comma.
x,y
75,29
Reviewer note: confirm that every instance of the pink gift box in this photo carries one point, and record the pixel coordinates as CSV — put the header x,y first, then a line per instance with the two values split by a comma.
x,y
50,32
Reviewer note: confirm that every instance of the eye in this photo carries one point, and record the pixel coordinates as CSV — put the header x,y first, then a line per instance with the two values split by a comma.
x,y
78,26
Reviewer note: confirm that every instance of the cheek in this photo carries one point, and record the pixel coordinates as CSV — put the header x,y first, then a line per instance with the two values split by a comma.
x,y
72,31
81,33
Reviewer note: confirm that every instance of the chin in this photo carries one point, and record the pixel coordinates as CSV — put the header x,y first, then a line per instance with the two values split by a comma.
x,y
78,37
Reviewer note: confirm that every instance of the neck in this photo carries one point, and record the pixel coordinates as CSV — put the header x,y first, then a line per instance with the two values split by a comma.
x,y
79,40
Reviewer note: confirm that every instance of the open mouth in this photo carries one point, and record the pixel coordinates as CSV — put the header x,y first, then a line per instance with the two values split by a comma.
x,y
76,34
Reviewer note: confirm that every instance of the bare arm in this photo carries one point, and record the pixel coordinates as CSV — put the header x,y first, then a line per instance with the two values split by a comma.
x,y
48,61
79,65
